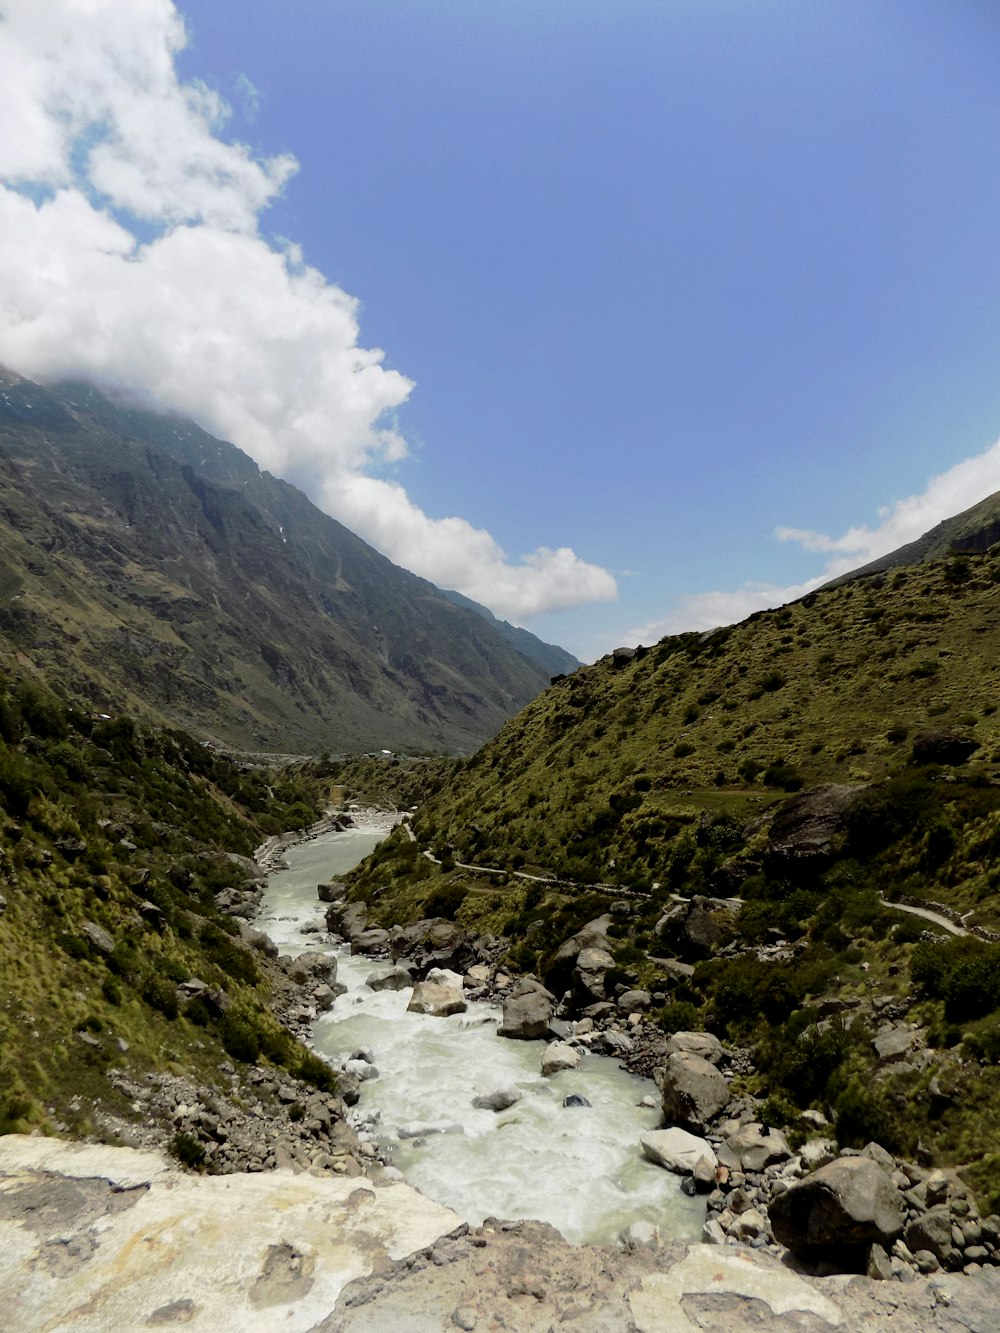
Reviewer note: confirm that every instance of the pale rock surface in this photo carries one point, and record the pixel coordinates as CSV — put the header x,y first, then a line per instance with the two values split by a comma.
x,y
120,1240
558,1055
676,1149
437,998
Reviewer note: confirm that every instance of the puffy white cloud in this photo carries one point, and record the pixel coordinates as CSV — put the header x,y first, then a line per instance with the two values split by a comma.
x,y
945,495
196,310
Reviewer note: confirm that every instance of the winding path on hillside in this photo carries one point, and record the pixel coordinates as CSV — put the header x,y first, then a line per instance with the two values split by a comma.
x,y
925,914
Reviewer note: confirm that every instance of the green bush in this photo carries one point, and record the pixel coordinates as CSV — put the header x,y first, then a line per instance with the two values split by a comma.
x,y
188,1151
161,995
240,1035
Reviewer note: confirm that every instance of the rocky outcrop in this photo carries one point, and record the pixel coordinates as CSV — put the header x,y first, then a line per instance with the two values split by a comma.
x,y
109,1239
806,828
588,975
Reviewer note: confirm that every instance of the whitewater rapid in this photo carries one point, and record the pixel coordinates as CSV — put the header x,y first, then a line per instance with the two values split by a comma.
x,y
581,1169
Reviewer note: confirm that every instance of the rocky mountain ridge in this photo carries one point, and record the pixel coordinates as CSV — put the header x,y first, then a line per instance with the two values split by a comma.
x,y
150,567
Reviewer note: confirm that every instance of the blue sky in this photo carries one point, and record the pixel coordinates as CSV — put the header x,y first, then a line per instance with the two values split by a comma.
x,y
666,278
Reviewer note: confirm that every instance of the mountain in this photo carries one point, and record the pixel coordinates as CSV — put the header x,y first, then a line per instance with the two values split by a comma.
x,y
972,531
151,567
549,657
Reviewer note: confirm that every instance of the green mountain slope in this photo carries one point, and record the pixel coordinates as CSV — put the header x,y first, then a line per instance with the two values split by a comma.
x,y
830,689
744,815
120,848
548,656
148,566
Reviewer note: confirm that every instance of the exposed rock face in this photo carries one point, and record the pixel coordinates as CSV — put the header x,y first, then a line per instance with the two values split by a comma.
x,y
121,1240
850,1202
693,1091
943,747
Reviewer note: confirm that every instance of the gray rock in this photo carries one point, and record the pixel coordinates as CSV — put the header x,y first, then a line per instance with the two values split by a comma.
x,y
98,937
705,1044
436,998
693,1091
893,1045
330,893
397,979
501,1099
751,1149
806,828
313,966
879,1264
372,940
526,1017
634,1001
558,1056
676,1149
588,975
931,1231
849,1202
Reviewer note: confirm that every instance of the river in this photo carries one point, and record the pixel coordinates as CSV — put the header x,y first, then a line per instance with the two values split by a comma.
x,y
580,1169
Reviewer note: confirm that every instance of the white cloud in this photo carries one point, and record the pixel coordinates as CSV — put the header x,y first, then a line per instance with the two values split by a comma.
x,y
208,317
945,495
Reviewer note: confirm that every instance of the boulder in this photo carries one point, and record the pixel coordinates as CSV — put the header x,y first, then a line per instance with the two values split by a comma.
x,y
330,893
526,1017
101,939
588,975
932,1231
634,1001
346,919
849,1202
943,747
372,940
432,942
500,1099
806,828
705,1044
436,998
676,1149
558,1055
693,1091
398,978
313,966
752,1148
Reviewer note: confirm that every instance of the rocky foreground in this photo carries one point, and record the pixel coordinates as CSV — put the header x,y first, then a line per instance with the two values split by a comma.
x,y
108,1240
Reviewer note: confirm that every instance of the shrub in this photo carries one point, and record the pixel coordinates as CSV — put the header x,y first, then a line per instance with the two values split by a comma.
x,y
682,749
188,1151
678,1016
161,995
240,1034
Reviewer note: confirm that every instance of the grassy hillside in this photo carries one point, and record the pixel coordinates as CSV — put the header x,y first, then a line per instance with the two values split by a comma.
x,y
754,803
115,842
602,766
